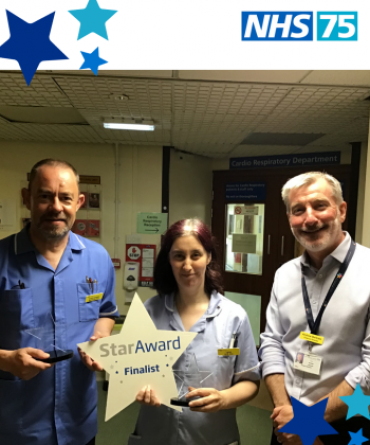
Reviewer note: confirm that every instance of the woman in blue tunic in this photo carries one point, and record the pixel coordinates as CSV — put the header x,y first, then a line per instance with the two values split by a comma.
x,y
188,281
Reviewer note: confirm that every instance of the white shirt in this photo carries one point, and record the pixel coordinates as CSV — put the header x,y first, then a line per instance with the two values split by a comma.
x,y
344,325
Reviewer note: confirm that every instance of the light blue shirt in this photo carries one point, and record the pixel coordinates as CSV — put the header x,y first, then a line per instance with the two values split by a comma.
x,y
58,406
223,318
345,324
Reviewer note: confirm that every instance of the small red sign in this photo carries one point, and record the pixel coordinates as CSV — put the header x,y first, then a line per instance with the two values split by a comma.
x,y
144,255
116,263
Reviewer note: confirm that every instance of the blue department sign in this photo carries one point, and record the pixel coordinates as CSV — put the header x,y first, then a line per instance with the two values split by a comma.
x,y
246,191
293,160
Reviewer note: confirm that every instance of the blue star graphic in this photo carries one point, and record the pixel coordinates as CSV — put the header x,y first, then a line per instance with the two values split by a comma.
x,y
308,421
357,403
30,44
357,438
92,61
92,19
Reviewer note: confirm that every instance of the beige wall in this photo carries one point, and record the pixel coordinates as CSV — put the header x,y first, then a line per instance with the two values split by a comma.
x,y
190,187
361,194
365,185
140,186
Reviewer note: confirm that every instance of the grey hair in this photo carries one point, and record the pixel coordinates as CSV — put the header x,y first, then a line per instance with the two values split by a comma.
x,y
308,179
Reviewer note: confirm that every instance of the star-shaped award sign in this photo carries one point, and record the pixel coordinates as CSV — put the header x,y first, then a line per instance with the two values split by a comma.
x,y
30,44
357,403
92,19
308,421
357,438
92,61
139,355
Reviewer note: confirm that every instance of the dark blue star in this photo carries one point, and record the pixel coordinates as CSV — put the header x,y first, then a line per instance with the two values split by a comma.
x,y
308,422
30,44
92,61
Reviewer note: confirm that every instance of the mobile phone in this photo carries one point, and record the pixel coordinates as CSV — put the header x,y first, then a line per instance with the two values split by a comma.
x,y
57,356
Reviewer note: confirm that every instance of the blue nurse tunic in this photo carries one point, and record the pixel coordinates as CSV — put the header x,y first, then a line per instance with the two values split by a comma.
x,y
223,318
58,406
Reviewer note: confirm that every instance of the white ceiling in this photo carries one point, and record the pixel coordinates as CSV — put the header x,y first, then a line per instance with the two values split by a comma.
x,y
203,112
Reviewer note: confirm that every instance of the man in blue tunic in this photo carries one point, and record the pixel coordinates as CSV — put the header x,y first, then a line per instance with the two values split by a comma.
x,y
52,279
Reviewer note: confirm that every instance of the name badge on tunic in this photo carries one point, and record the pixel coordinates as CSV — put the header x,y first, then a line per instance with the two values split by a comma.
x,y
94,297
312,338
228,351
308,362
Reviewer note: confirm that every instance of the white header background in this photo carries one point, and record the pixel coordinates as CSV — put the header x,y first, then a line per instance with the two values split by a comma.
x,y
190,34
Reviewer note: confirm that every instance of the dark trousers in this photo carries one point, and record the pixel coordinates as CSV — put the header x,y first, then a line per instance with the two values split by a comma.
x,y
342,426
92,442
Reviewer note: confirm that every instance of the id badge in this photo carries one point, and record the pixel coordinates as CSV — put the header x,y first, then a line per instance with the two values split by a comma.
x,y
94,297
308,362
228,351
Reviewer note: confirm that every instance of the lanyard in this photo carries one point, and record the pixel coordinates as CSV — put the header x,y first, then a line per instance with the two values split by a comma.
x,y
314,325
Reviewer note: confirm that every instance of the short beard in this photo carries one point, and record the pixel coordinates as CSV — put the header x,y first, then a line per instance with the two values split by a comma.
x,y
54,234
337,226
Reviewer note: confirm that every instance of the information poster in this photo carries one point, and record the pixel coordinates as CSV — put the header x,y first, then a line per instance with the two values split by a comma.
x,y
144,255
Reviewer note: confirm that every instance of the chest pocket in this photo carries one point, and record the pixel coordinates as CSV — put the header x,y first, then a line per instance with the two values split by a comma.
x,y
16,316
88,303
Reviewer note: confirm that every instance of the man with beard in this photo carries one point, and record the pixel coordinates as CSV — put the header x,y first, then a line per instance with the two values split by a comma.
x,y
57,285
319,307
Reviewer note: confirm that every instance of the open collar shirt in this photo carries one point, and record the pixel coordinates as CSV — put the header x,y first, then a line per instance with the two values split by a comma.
x,y
344,325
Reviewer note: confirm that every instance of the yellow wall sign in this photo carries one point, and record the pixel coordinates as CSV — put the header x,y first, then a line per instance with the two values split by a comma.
x,y
312,338
94,297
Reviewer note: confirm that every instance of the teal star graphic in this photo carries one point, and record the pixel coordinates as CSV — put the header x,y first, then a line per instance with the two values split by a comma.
x,y
357,438
357,403
92,61
92,19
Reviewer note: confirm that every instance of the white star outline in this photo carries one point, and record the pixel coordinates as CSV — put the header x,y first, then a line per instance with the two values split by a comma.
x,y
193,376
123,386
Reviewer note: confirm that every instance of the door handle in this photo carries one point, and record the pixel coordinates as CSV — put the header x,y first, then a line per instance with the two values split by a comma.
x,y
282,245
268,244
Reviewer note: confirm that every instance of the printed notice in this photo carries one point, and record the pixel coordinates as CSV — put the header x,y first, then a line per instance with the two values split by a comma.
x,y
147,272
244,242
148,253
148,263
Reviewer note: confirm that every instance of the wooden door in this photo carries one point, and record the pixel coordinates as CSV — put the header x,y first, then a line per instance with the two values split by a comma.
x,y
279,245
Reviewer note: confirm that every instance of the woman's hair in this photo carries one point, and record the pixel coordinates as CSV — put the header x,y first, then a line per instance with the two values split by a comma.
x,y
164,280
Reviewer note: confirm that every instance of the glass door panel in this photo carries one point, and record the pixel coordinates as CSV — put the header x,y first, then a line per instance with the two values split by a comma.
x,y
244,238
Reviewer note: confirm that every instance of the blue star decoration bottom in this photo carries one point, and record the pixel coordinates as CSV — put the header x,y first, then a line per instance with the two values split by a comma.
x,y
29,44
357,403
308,422
357,438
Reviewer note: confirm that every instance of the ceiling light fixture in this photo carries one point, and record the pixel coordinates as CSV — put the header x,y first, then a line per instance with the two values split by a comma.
x,y
129,124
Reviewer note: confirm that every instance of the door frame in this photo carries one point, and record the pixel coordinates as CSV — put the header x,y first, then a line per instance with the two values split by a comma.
x,y
221,177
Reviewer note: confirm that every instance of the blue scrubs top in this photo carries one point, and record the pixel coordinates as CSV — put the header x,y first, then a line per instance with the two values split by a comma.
x,y
223,318
58,406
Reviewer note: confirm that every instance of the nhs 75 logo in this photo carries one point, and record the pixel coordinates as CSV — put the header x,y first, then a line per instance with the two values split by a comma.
x,y
277,26
295,26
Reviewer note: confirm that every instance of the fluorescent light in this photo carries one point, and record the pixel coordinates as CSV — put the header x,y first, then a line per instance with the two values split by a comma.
x,y
149,126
